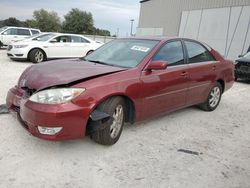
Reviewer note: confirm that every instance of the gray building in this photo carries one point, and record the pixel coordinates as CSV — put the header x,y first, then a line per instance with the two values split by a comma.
x,y
223,24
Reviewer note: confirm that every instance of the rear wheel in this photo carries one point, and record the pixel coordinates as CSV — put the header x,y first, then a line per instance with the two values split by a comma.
x,y
36,56
213,98
111,128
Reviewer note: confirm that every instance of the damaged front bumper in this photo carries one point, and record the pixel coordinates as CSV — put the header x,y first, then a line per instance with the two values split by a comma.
x,y
72,118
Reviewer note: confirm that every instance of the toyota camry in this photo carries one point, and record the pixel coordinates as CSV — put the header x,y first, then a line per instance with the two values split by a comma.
x,y
126,80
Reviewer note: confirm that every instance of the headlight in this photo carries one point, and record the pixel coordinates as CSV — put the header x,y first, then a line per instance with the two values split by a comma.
x,y
56,96
20,46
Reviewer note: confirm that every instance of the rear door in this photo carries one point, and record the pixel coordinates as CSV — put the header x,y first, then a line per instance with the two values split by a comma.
x,y
202,69
79,46
23,33
60,47
165,90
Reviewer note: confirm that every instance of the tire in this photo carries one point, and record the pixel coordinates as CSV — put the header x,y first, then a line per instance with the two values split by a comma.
x,y
37,56
213,98
112,128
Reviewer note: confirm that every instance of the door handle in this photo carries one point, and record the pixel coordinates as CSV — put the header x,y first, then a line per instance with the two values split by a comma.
x,y
214,67
184,73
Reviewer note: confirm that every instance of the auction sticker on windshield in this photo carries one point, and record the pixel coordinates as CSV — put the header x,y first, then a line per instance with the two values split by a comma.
x,y
140,48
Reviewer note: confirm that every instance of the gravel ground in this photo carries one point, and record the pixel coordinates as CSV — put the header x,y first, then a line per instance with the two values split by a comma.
x,y
145,156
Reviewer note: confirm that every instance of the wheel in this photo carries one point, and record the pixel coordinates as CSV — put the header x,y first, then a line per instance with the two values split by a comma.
x,y
112,128
213,98
36,56
89,52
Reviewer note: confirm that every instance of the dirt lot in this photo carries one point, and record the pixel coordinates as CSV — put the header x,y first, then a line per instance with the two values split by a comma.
x,y
146,154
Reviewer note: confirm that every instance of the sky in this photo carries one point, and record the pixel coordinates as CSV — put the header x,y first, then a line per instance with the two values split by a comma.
x,y
112,15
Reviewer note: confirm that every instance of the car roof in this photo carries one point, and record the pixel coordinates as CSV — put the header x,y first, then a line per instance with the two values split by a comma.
x,y
159,38
21,28
167,38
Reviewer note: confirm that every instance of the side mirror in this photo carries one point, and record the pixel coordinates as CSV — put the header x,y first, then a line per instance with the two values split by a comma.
x,y
240,56
53,40
4,33
157,65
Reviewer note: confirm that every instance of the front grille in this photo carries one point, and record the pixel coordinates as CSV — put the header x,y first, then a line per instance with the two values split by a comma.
x,y
9,47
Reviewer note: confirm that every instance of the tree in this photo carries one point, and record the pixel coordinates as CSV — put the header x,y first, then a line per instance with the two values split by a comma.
x,y
77,21
12,22
45,21
30,23
101,32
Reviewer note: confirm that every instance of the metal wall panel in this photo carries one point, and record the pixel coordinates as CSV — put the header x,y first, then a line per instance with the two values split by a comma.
x,y
167,13
225,29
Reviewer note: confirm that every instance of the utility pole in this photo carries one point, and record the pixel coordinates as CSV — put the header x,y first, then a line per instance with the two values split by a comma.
x,y
131,31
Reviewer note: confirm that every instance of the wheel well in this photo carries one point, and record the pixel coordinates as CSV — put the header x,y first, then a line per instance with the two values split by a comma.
x,y
38,49
222,83
89,52
130,108
130,113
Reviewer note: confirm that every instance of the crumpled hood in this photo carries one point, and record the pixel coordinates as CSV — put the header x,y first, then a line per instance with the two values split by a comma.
x,y
62,72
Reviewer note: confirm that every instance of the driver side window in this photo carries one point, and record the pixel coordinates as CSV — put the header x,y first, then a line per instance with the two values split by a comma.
x,y
172,52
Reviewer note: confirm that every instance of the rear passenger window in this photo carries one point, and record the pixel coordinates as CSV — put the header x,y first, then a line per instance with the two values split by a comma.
x,y
171,52
34,32
85,40
23,32
63,39
197,53
76,39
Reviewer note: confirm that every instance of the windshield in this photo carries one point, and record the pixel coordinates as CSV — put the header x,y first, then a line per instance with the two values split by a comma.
x,y
35,35
3,28
44,37
122,52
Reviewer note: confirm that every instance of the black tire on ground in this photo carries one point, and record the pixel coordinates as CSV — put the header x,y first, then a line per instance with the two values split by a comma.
x,y
110,134
213,98
37,56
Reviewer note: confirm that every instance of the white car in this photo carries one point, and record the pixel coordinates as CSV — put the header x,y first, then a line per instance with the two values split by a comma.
x,y
10,34
52,46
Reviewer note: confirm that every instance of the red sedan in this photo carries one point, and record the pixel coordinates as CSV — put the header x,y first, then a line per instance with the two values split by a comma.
x,y
126,80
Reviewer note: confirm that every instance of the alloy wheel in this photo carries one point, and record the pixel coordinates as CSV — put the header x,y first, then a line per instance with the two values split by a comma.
x,y
117,121
214,97
39,56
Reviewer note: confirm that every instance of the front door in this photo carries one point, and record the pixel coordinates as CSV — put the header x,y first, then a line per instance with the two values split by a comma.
x,y
165,90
